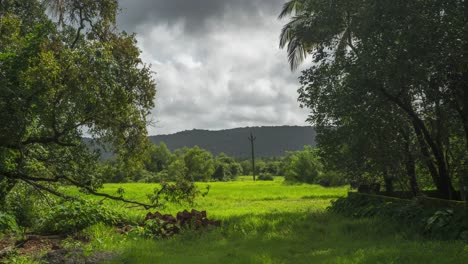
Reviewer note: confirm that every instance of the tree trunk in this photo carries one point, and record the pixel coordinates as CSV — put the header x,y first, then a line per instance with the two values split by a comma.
x,y
438,168
388,185
411,169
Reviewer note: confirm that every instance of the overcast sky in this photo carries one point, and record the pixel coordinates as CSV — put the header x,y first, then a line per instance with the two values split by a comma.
x,y
217,63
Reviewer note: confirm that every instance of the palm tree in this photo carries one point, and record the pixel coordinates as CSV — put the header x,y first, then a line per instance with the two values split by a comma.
x,y
290,35
301,36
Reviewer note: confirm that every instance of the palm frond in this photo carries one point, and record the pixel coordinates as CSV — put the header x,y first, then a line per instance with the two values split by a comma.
x,y
293,37
297,52
291,7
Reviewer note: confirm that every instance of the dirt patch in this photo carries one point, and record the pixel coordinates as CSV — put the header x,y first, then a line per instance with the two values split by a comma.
x,y
6,243
38,246
76,256
7,246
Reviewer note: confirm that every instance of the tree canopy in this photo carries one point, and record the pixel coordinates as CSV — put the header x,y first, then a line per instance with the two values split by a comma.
x,y
387,89
63,77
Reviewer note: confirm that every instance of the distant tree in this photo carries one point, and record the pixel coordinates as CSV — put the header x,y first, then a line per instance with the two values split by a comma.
x,y
303,166
260,166
273,167
226,168
221,173
235,169
159,158
246,167
178,170
199,163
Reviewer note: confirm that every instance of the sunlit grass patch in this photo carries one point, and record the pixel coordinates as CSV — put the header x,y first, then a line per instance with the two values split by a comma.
x,y
235,198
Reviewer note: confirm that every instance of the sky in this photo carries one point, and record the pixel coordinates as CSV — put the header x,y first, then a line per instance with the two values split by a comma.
x,y
217,63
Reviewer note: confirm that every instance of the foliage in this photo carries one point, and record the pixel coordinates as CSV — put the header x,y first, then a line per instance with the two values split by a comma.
x,y
303,166
61,77
221,172
199,164
8,224
431,221
246,167
72,216
159,158
265,176
272,140
273,167
27,206
226,168
384,103
177,170
331,178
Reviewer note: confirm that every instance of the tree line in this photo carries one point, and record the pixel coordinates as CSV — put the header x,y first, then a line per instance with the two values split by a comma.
x,y
197,164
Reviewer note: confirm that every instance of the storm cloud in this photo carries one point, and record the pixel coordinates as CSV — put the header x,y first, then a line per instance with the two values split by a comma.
x,y
217,63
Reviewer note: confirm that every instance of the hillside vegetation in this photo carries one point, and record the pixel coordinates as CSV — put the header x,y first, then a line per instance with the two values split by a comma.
x,y
271,141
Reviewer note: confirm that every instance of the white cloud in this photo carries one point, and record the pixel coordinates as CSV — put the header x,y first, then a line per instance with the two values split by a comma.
x,y
216,69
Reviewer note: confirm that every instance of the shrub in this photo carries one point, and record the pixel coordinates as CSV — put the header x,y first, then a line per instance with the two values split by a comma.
x,y
302,166
331,178
73,216
26,205
431,221
155,177
265,176
8,224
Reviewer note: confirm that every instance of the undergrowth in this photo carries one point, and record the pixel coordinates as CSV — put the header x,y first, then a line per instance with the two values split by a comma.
x,y
433,222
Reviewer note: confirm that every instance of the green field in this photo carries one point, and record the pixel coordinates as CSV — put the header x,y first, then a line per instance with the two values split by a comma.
x,y
269,222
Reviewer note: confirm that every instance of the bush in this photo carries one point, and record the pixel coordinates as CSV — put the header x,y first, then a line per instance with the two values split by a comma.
x,y
8,224
302,166
73,216
265,176
26,205
155,178
433,222
331,178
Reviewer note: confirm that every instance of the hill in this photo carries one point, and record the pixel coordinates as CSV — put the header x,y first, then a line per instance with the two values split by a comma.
x,y
270,141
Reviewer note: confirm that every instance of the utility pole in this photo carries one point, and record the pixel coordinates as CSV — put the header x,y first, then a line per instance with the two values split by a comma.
x,y
252,139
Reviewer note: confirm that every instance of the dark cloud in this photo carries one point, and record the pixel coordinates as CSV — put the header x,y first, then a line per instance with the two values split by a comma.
x,y
194,14
217,61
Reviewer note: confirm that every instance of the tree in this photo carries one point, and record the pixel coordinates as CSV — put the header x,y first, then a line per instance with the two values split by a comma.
x,y
226,168
199,163
61,80
246,167
357,51
221,173
177,170
303,166
159,158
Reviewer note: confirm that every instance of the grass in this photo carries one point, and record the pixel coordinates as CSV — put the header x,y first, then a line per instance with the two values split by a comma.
x,y
269,222
227,199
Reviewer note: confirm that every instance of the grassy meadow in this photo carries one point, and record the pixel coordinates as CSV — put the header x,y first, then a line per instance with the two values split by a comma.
x,y
270,222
